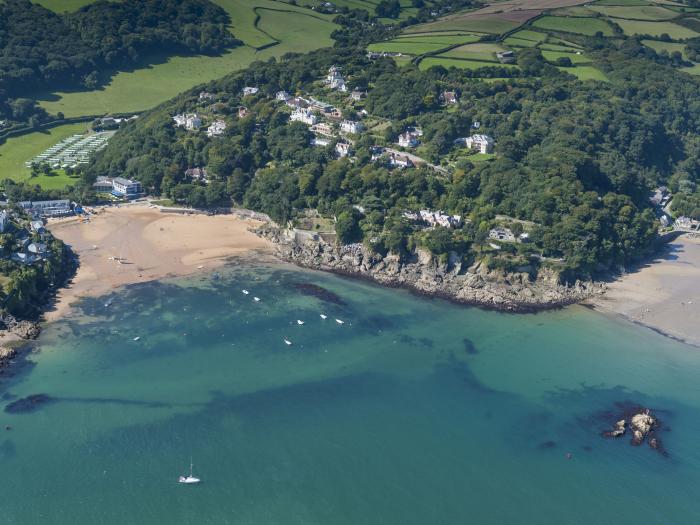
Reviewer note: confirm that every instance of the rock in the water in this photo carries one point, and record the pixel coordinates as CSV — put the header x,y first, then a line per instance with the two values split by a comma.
x,y
643,426
27,404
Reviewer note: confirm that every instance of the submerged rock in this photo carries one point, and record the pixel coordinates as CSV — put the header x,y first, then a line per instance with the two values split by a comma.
x,y
28,404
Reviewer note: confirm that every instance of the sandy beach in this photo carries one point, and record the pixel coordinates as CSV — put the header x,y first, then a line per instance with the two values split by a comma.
x,y
663,294
137,243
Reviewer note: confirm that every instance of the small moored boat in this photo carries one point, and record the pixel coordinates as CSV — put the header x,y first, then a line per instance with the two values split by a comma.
x,y
300,322
340,321
256,299
246,292
188,479
287,342
324,316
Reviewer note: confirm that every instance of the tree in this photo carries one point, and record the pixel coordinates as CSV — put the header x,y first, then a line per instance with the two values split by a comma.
x,y
347,226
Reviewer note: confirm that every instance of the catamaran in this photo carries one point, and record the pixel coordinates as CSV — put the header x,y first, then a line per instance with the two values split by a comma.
x,y
189,479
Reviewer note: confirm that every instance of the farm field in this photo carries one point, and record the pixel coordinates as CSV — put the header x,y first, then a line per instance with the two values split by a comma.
x,y
165,77
492,24
439,38
17,150
428,62
575,59
669,47
528,34
405,47
583,26
635,27
642,12
63,6
486,52
586,73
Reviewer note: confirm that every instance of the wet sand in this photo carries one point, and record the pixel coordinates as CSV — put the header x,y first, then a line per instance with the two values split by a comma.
x,y
663,294
136,243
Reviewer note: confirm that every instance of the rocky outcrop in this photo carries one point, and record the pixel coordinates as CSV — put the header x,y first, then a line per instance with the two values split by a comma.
x,y
643,426
13,331
423,273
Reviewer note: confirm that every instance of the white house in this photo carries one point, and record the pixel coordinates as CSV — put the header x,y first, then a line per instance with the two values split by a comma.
x,y
204,95
502,234
57,208
343,149
217,128
128,188
400,161
282,96
303,115
358,95
103,184
189,121
408,140
199,174
480,143
323,129
321,142
350,126
250,91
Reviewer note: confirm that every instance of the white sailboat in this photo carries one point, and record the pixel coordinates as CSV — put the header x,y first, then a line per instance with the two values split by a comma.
x,y
189,479
256,299
340,321
287,342
300,322
324,316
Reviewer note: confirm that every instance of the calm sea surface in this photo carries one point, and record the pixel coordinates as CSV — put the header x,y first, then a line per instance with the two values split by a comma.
x,y
414,411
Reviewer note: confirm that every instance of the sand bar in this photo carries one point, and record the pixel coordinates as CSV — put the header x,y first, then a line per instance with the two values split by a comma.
x,y
138,243
663,294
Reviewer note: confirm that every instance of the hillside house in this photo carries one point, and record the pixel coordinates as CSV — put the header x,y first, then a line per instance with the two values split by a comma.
x,y
303,115
102,184
408,140
501,234
377,152
189,121
298,103
198,174
449,97
343,149
242,111
400,161
248,91
358,95
205,95
320,142
127,188
322,129
35,226
282,96
217,128
351,126
480,143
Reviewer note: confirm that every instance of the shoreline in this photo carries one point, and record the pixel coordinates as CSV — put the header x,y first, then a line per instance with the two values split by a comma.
x,y
661,294
138,243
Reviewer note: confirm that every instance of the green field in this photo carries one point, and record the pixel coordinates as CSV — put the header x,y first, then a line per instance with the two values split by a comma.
x,y
439,38
648,12
484,51
462,22
62,6
18,150
165,77
528,34
519,42
409,48
669,47
428,62
586,73
575,59
635,27
583,26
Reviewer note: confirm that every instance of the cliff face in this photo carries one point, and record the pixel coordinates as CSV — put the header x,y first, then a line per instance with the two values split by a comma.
x,y
475,285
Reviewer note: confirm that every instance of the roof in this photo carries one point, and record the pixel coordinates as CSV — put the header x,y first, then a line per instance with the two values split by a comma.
x,y
122,180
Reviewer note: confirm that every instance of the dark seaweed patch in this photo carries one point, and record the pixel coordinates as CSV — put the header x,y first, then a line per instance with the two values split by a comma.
x,y
27,404
469,346
313,290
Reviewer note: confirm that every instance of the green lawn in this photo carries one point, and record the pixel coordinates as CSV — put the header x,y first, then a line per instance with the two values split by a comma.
x,y
643,12
583,26
693,70
149,86
455,62
18,150
586,73
410,48
635,27
54,182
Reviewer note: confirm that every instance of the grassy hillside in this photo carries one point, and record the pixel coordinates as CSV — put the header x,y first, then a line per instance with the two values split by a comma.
x,y
284,29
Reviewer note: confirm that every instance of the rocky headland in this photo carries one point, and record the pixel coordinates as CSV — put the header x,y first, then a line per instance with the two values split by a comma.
x,y
474,284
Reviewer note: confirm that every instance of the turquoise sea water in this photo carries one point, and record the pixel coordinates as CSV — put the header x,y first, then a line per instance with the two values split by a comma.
x,y
415,411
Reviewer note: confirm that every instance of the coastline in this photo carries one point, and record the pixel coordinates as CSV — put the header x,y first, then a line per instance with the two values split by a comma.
x,y
139,243
662,294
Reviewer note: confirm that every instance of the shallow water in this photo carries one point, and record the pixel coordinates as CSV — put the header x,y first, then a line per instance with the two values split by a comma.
x,y
414,411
